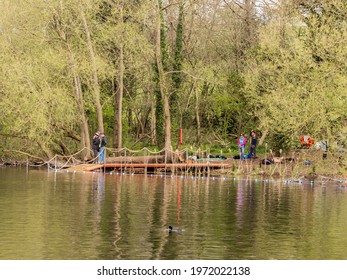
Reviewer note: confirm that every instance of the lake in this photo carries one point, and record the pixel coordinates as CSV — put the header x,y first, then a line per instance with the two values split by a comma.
x,y
59,215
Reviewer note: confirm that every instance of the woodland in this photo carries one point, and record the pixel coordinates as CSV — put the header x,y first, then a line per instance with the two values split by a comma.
x,y
139,70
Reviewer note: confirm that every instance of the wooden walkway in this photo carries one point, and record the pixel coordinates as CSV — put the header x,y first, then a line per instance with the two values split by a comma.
x,y
148,166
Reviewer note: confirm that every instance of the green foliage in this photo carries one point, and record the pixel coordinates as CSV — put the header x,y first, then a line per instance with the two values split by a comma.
x,y
178,57
281,143
226,73
225,106
35,103
177,69
293,91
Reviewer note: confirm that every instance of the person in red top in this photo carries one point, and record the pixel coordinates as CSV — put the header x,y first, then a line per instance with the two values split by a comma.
x,y
241,142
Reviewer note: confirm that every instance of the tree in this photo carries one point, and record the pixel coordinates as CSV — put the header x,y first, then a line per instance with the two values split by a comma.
x,y
160,55
293,85
177,63
96,86
62,24
37,112
138,69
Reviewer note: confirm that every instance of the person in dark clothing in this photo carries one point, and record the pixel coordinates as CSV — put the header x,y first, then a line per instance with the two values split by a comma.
x,y
324,145
253,144
96,146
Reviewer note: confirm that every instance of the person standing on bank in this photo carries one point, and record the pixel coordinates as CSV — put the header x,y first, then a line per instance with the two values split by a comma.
x,y
242,141
324,145
253,144
96,145
102,148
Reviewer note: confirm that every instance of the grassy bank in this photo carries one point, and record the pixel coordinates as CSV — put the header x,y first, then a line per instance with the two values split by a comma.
x,y
307,164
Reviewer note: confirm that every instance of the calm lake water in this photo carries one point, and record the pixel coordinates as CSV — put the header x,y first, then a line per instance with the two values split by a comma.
x,y
58,215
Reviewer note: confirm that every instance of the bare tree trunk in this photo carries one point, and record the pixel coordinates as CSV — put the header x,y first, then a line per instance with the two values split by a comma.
x,y
197,116
162,86
249,26
120,98
262,139
153,123
114,138
83,123
95,74
85,140
118,109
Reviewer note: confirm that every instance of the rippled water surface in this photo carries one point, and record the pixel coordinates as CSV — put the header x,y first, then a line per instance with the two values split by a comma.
x,y
59,215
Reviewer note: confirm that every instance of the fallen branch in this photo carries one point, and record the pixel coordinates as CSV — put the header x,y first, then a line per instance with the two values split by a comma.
x,y
24,153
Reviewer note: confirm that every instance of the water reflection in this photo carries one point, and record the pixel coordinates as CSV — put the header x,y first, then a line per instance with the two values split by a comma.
x,y
56,215
240,199
178,201
98,192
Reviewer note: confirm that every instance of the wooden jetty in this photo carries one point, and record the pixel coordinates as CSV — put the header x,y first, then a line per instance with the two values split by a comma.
x,y
149,166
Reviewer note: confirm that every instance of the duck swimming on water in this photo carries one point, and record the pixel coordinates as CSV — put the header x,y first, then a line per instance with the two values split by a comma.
x,y
174,229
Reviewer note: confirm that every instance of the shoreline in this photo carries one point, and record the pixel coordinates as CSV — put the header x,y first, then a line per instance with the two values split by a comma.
x,y
283,171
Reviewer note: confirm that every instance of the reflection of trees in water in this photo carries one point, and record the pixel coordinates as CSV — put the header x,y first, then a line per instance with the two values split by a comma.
x,y
98,188
103,216
98,195
138,209
240,203
221,218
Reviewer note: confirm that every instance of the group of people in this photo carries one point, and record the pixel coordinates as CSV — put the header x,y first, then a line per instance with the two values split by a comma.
x,y
99,144
241,143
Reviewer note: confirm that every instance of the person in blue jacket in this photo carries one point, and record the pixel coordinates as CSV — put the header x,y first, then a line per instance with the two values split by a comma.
x,y
102,148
